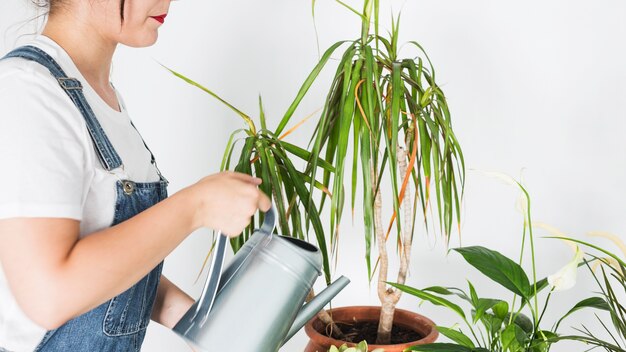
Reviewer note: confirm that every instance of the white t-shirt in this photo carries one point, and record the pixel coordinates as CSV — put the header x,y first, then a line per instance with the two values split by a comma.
x,y
49,167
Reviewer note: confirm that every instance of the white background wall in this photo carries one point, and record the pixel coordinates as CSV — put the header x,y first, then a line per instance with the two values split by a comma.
x,y
537,86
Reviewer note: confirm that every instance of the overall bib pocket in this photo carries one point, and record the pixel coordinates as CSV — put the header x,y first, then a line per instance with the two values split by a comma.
x,y
129,312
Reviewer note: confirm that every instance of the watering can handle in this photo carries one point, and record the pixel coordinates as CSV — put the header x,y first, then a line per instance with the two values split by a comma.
x,y
269,223
205,303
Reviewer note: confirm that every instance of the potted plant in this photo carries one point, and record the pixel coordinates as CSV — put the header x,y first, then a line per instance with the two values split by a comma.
x,y
612,284
268,156
506,325
395,118
402,139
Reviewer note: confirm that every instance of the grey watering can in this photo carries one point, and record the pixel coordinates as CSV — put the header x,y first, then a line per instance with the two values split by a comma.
x,y
256,303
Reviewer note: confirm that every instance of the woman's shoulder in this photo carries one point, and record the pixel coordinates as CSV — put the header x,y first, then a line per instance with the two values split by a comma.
x,y
30,82
32,100
18,73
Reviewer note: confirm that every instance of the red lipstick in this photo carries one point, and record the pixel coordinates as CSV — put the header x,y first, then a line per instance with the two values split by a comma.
x,y
160,18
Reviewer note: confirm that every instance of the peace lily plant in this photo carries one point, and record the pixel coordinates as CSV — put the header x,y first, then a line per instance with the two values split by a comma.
x,y
499,325
612,284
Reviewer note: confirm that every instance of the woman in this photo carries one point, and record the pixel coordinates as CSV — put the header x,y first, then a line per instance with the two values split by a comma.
x,y
84,223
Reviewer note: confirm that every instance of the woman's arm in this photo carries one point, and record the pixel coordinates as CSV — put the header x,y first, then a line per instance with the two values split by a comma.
x,y
171,304
55,276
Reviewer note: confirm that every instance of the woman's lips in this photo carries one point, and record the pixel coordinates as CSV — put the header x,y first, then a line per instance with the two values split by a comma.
x,y
160,18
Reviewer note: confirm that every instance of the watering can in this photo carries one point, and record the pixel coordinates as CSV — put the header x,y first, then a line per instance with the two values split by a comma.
x,y
256,302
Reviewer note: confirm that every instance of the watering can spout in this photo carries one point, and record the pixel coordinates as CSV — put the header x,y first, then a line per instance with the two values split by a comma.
x,y
315,305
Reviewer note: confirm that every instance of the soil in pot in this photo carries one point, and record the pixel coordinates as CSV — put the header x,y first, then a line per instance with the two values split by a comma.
x,y
367,330
351,319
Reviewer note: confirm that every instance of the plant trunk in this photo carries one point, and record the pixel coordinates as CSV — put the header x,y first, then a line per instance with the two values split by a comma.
x,y
389,297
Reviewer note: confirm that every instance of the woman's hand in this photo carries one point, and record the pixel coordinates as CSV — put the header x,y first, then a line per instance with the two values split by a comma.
x,y
226,201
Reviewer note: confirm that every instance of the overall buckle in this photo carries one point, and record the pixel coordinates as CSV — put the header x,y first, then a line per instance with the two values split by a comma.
x,y
70,83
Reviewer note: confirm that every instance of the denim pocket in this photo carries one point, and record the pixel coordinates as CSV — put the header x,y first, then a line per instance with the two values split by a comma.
x,y
129,312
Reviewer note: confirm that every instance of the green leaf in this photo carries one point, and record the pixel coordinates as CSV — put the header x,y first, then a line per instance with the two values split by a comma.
x,y
363,18
522,321
313,214
591,302
262,113
483,305
492,323
198,85
498,268
306,155
362,346
456,336
445,347
513,338
438,289
612,255
228,151
501,309
436,300
305,87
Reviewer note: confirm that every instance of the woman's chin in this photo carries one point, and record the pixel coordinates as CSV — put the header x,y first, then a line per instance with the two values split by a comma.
x,y
143,41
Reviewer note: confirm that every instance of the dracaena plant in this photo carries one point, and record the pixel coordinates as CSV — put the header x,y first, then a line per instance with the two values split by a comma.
x,y
265,154
385,127
503,325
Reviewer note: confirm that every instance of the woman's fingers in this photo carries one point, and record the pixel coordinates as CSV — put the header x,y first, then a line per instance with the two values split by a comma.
x,y
264,203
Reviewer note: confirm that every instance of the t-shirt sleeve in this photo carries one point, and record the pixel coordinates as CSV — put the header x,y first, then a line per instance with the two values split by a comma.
x,y
42,149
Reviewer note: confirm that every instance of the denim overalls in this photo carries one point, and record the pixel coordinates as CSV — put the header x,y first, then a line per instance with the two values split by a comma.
x,y
118,325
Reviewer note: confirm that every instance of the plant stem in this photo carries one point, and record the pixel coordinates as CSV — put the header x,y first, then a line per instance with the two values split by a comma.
x,y
390,297
367,14
387,307
532,249
544,311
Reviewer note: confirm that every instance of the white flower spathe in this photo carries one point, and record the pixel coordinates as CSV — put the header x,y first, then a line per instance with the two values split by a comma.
x,y
565,278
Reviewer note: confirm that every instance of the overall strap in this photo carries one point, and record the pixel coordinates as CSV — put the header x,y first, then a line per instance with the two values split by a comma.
x,y
106,153
152,158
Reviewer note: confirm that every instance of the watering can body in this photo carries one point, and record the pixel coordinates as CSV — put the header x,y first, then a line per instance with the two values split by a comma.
x,y
258,303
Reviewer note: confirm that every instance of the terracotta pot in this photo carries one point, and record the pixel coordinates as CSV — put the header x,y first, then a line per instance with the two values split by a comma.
x,y
404,318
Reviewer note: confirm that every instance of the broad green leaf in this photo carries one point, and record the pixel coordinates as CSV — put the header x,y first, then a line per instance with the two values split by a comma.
x,y
501,309
445,347
482,305
492,323
456,336
513,338
522,321
498,268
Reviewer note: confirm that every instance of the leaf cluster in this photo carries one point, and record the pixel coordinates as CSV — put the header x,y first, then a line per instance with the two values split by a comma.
x,y
493,324
377,104
266,155
360,347
612,285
